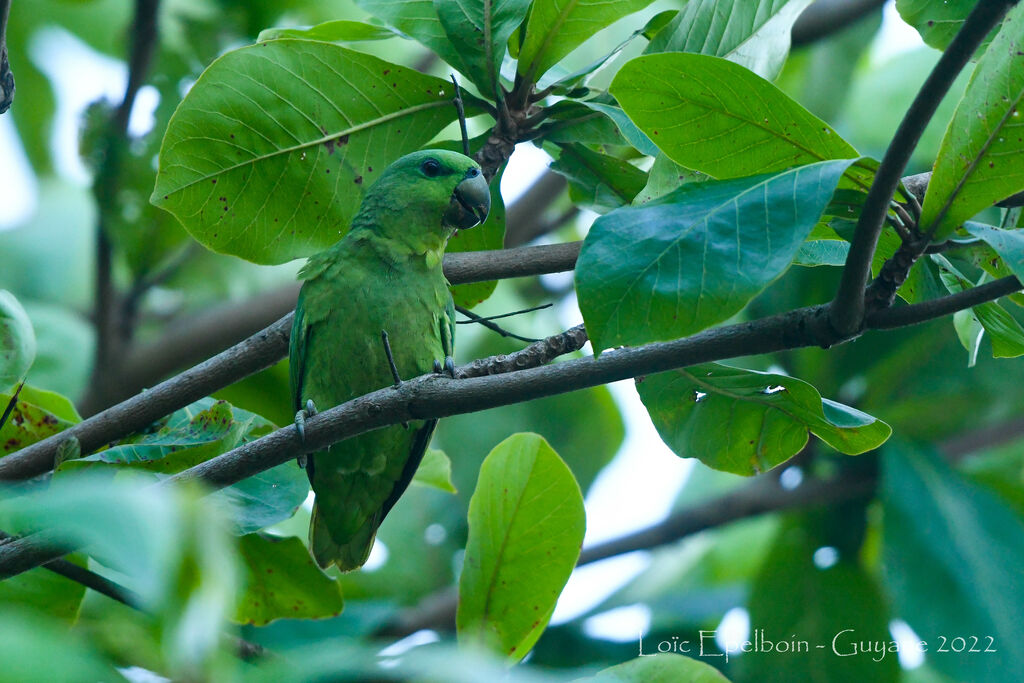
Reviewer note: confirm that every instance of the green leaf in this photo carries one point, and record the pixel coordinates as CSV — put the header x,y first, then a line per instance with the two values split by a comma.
x,y
752,33
282,582
435,470
17,341
557,27
418,19
197,433
478,30
37,414
43,591
1009,244
696,256
633,135
666,175
747,422
839,607
822,253
1006,333
938,22
754,126
526,524
270,153
598,181
340,31
980,160
952,556
664,668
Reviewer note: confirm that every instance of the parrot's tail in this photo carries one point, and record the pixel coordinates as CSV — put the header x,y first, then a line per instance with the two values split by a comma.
x,y
347,556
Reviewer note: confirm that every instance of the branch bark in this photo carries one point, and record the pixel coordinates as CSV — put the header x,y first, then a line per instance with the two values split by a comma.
x,y
848,307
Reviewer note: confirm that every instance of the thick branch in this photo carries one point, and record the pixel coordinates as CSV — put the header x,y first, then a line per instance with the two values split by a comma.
x,y
826,17
251,355
848,310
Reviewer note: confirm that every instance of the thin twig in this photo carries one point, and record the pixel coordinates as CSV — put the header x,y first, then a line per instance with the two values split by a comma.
x,y
494,327
10,404
848,307
461,111
505,315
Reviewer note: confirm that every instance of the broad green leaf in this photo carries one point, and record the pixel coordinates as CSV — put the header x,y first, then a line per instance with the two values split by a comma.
x,y
557,27
478,31
41,589
1007,334
1009,244
938,22
266,498
725,120
752,33
435,470
634,135
37,414
419,20
696,256
663,668
598,181
282,582
822,253
838,607
17,341
666,175
747,422
981,159
951,558
526,524
340,31
270,153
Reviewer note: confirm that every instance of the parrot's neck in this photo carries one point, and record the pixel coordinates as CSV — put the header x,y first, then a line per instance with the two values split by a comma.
x,y
426,248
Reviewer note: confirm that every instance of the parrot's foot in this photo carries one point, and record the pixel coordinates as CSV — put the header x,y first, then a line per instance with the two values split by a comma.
x,y
391,358
300,427
449,367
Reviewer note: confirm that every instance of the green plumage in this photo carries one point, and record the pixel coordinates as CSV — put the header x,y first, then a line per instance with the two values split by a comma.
x,y
385,274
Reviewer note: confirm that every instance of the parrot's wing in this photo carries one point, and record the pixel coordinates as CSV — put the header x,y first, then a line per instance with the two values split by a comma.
x,y
419,447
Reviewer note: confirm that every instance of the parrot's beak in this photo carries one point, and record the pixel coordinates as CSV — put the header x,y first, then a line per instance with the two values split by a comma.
x,y
470,202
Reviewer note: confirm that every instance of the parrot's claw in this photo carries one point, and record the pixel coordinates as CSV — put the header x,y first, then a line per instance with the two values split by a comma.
x,y
300,427
449,366
437,367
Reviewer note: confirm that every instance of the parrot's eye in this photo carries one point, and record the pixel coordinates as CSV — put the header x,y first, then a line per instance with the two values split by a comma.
x,y
431,168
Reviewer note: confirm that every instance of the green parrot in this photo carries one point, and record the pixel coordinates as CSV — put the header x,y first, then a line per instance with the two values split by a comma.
x,y
383,277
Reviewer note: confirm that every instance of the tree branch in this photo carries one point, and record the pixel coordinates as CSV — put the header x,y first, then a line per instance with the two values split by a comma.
x,y
826,17
848,308
249,356
917,185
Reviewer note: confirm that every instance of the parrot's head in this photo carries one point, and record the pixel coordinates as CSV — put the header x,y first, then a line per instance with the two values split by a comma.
x,y
431,188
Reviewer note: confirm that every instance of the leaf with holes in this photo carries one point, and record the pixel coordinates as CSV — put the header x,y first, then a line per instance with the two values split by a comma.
x,y
270,153
981,159
747,422
282,582
724,120
692,258
751,33
526,524
557,27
